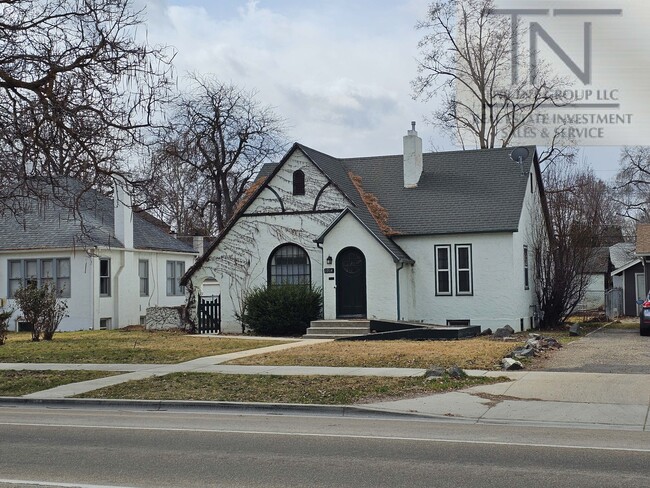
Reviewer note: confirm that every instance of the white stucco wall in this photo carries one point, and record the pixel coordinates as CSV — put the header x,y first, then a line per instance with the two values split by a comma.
x,y
239,262
494,295
381,288
125,305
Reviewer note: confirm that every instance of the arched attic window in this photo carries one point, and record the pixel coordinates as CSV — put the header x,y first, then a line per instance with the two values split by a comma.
x,y
298,182
289,265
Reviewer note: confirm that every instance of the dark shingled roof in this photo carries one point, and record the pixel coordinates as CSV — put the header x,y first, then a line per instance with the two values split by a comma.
x,y
459,192
53,226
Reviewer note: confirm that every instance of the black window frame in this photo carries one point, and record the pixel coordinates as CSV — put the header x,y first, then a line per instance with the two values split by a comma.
x,y
469,270
438,270
272,268
299,182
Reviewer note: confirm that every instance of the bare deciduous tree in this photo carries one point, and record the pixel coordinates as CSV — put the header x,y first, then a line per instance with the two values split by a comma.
x,y
467,56
581,210
77,88
218,137
633,183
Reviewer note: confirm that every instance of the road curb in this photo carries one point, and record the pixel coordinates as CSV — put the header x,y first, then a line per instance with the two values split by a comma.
x,y
208,406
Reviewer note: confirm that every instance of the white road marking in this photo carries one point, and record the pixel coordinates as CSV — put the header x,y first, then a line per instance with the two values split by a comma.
x,y
341,436
56,485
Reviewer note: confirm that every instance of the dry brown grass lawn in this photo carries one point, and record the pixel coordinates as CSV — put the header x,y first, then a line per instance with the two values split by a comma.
x,y
479,353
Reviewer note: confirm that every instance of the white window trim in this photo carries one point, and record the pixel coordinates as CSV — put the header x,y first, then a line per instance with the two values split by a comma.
x,y
104,277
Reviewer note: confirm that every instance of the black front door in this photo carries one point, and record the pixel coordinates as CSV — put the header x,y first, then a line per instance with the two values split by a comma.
x,y
351,284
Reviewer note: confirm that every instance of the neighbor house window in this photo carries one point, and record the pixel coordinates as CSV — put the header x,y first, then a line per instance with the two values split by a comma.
x,y
289,265
143,273
443,270
22,272
526,284
464,269
175,271
298,182
104,277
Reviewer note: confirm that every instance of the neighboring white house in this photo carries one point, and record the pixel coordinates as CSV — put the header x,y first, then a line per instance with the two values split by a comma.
x,y
441,238
108,262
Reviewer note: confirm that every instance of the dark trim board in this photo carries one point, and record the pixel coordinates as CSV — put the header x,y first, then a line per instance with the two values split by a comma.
x,y
298,212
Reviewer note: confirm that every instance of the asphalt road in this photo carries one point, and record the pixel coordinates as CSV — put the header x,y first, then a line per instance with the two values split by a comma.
x,y
103,447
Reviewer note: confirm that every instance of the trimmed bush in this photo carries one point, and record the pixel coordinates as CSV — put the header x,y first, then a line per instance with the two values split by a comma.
x,y
284,310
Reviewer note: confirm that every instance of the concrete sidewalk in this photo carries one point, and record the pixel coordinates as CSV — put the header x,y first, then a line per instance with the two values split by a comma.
x,y
613,401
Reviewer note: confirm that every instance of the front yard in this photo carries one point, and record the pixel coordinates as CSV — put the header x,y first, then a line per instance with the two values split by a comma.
x,y
479,353
120,346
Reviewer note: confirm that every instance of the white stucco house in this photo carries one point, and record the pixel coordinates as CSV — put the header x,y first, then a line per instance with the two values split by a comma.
x,y
108,262
441,238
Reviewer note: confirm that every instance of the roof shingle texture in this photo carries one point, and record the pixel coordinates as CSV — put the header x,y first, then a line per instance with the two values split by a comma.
x,y
53,226
459,192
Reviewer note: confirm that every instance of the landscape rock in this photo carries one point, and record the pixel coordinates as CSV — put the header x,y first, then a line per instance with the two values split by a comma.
x,y
510,364
524,352
486,332
456,372
503,332
434,372
574,330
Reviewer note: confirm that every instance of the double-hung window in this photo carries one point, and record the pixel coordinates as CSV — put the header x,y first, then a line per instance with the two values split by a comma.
x,y
143,273
443,270
175,271
104,277
464,269
39,272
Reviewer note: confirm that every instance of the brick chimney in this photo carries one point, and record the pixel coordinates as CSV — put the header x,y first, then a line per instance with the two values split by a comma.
x,y
412,158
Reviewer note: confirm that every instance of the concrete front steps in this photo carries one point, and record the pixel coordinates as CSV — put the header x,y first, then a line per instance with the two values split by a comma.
x,y
335,329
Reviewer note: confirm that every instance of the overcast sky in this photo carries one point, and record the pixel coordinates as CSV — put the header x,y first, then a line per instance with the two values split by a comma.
x,y
338,71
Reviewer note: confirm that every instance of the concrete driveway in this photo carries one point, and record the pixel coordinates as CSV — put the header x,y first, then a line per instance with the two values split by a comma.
x,y
607,350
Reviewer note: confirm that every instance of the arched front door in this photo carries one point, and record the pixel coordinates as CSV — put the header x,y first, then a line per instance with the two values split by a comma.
x,y
351,284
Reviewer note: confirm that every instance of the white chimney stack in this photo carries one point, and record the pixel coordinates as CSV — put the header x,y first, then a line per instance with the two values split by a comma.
x,y
123,216
412,158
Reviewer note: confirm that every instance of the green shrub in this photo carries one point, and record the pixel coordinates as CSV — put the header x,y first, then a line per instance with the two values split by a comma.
x,y
41,308
283,310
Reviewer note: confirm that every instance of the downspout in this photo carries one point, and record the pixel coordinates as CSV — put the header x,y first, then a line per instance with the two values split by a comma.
x,y
322,275
399,316
115,292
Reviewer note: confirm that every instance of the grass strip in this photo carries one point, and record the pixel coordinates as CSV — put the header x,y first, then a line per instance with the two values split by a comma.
x,y
118,346
324,390
479,353
18,383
